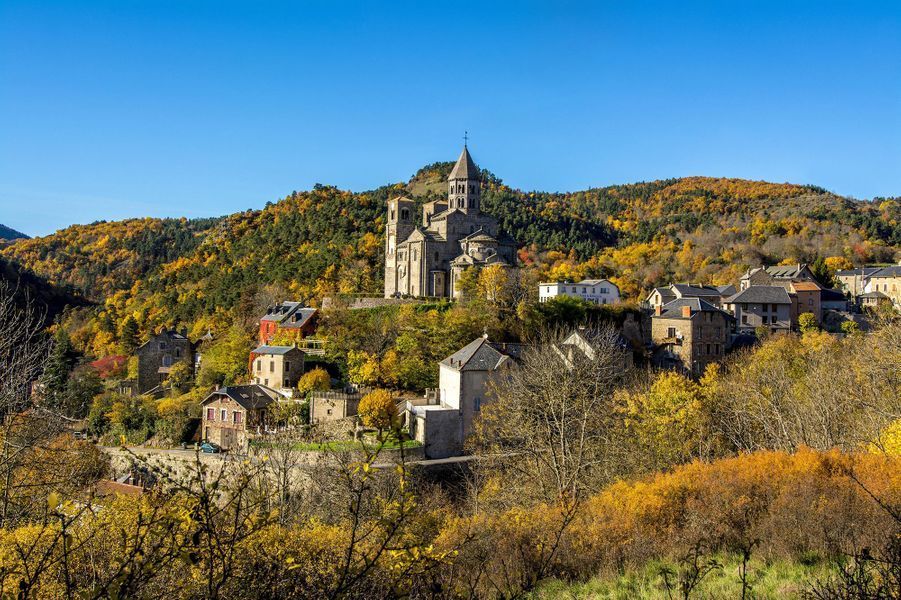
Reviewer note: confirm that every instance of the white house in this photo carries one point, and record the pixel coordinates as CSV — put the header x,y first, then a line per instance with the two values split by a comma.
x,y
599,291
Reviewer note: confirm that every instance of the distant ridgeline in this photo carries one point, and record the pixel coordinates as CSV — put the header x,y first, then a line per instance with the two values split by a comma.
x,y
326,241
7,233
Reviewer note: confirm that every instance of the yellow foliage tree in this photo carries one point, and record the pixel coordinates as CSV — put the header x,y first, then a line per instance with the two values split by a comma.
x,y
377,409
313,380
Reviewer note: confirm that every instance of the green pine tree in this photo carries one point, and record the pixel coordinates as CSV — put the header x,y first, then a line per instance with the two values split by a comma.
x,y
128,338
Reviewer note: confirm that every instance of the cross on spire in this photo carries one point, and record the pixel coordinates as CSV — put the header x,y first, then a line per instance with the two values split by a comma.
x,y
465,137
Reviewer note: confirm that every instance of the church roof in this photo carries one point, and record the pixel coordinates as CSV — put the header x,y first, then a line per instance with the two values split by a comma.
x,y
465,168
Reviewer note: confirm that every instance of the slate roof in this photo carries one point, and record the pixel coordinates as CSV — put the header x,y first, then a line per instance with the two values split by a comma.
x,y
695,291
465,168
478,355
762,294
785,271
664,292
874,295
865,271
894,271
250,397
726,290
276,350
289,315
673,309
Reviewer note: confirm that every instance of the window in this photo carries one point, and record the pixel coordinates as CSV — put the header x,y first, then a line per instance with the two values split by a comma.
x,y
167,361
266,382
671,332
236,417
211,414
708,348
404,214
774,307
287,365
223,415
178,350
259,364
477,404
162,345
272,366
744,319
287,382
764,319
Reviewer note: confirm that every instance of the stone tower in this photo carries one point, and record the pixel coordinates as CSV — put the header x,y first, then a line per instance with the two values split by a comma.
x,y
398,228
464,185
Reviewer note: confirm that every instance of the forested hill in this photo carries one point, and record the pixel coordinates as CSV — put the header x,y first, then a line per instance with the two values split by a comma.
x,y
318,242
49,301
7,233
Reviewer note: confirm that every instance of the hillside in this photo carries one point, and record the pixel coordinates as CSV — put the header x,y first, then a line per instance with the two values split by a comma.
x,y
309,244
50,300
7,233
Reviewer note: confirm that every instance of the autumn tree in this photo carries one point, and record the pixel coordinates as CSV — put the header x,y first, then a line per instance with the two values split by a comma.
x,y
314,380
377,409
128,335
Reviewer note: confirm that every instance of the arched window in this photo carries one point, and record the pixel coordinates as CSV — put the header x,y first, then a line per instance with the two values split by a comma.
x,y
404,214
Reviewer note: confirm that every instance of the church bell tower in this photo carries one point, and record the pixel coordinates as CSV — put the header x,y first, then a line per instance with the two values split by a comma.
x,y
464,185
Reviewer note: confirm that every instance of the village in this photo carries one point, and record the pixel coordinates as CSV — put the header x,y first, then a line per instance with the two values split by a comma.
x,y
684,327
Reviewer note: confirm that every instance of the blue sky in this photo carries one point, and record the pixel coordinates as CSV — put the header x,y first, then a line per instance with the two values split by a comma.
x,y
128,108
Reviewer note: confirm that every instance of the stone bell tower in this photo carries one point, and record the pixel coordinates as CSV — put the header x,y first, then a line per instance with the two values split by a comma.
x,y
464,185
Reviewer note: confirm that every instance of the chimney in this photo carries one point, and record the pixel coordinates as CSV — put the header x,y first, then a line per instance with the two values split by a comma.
x,y
658,310
686,312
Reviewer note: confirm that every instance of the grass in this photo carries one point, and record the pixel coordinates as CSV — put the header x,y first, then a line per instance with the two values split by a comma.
x,y
769,580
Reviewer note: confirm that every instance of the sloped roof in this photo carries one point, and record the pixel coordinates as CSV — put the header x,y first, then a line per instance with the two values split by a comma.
x,y
673,309
688,290
865,271
786,271
250,397
465,168
873,295
806,286
276,350
726,290
664,292
764,294
894,271
289,315
478,355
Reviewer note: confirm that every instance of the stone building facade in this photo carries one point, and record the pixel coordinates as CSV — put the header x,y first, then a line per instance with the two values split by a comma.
x,y
761,305
689,334
159,354
232,414
277,367
426,257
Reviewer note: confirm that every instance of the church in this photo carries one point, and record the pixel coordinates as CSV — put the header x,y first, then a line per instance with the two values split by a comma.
x,y
426,259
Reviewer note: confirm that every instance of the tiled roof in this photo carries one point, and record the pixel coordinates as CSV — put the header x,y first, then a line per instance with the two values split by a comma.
x,y
478,355
806,286
764,294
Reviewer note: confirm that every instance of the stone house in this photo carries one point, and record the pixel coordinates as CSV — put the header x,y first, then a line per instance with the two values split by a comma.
x,y
598,291
766,305
333,405
854,281
887,280
445,419
873,299
689,333
426,259
290,317
712,294
232,414
806,297
159,354
277,367
781,275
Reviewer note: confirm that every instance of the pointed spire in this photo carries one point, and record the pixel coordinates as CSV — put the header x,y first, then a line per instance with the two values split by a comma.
x,y
465,168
